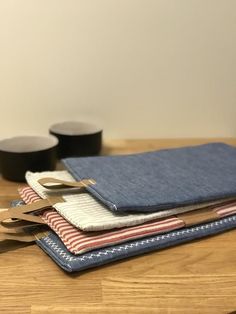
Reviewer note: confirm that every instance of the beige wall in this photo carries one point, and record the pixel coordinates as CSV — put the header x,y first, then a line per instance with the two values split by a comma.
x,y
140,68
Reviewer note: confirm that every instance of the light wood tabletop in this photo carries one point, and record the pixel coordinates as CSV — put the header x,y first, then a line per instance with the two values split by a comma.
x,y
198,277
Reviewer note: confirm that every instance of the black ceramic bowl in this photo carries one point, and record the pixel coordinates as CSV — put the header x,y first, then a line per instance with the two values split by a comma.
x,y
77,138
22,153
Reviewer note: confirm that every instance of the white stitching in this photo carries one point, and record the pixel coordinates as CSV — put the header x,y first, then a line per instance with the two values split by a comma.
x,y
64,254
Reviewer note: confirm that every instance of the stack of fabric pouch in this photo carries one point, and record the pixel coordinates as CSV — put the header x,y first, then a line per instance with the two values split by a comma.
x,y
161,198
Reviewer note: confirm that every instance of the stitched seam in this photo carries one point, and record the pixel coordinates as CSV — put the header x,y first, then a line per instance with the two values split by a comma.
x,y
90,188
67,257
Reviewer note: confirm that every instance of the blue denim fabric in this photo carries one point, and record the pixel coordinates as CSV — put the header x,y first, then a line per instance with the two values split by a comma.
x,y
162,179
16,203
54,247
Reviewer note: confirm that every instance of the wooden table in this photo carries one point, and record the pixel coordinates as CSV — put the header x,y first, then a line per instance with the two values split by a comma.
x,y
198,277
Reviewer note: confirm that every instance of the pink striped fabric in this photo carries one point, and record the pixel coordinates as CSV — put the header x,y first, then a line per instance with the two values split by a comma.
x,y
78,241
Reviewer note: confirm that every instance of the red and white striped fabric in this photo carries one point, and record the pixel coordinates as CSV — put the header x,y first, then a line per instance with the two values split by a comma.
x,y
78,241
28,195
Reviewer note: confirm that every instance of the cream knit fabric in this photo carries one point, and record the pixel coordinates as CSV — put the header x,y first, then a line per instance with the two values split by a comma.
x,y
86,213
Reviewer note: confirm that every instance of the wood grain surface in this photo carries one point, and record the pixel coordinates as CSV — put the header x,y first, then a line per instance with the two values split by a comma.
x,y
198,277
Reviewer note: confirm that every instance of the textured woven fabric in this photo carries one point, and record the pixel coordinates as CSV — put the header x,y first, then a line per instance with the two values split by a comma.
x,y
54,247
78,241
86,213
160,180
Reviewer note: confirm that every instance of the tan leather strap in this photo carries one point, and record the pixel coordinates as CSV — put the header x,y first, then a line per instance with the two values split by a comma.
x,y
40,234
23,237
198,216
20,211
16,226
17,237
53,183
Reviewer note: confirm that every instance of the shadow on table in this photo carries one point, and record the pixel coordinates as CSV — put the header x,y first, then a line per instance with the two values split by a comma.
x,y
9,245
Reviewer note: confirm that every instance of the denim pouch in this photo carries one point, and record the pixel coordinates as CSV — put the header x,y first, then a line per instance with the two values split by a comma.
x,y
54,247
153,181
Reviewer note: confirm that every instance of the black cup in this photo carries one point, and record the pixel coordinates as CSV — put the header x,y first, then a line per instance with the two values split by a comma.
x,y
22,153
77,138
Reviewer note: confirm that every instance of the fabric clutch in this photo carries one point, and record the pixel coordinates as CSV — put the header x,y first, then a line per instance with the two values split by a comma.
x,y
54,247
86,213
159,180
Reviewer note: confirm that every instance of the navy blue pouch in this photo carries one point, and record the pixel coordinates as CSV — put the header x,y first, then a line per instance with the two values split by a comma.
x,y
159,180
54,247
